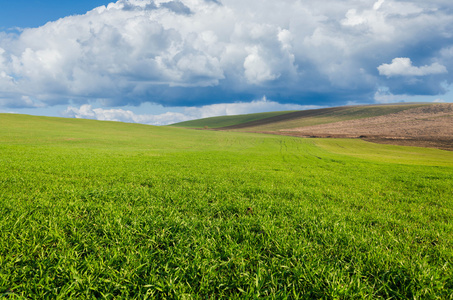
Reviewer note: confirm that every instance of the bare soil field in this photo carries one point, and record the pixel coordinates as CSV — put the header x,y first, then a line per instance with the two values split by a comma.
x,y
426,126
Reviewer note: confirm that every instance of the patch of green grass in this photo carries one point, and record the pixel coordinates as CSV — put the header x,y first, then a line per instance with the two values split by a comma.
x,y
109,210
387,153
223,121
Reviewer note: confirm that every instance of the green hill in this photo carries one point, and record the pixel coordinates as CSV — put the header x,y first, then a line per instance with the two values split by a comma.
x,y
320,116
283,120
95,209
223,121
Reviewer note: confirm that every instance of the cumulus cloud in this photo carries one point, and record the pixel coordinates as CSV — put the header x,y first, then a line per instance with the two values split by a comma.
x,y
384,96
203,52
402,66
239,108
256,68
87,111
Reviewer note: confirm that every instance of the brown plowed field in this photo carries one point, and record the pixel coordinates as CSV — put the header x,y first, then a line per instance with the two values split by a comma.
x,y
427,126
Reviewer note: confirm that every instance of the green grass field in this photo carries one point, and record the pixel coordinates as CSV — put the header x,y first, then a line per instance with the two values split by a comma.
x,y
109,210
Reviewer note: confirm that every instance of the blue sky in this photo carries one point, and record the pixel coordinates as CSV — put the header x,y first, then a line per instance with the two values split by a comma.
x,y
35,13
161,61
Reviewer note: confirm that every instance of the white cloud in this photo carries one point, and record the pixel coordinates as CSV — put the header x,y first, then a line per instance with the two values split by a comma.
x,y
87,111
383,96
257,70
402,66
239,108
378,4
206,52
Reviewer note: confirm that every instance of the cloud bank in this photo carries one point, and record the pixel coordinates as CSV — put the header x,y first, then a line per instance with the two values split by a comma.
x,y
201,53
87,111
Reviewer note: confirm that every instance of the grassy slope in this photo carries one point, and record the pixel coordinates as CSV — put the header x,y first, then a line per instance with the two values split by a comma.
x,y
325,116
216,122
283,120
104,209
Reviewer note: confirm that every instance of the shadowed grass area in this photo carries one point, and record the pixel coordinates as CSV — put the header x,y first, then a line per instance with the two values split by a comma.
x,y
223,121
110,210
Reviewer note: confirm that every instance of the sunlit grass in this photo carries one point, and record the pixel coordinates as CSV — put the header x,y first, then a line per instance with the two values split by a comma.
x,y
109,210
387,153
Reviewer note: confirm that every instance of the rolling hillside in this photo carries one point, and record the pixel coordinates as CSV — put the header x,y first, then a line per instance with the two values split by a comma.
x,y
426,125
108,210
321,116
226,121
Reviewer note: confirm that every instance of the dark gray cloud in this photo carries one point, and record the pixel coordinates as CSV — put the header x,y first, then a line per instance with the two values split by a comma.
x,y
214,1
177,7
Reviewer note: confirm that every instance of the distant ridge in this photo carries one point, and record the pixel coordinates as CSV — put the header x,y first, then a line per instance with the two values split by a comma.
x,y
414,124
286,117
290,119
226,121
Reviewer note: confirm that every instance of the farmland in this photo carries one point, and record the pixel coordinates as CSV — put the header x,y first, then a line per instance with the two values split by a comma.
x,y
109,210
294,119
421,125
